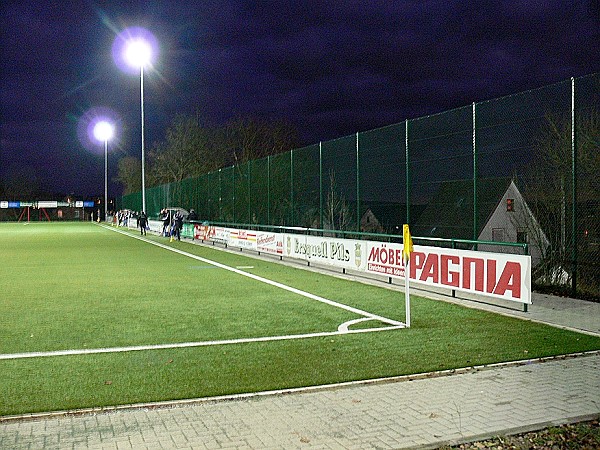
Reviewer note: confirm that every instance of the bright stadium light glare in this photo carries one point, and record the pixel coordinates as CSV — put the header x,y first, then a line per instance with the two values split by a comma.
x,y
103,131
138,53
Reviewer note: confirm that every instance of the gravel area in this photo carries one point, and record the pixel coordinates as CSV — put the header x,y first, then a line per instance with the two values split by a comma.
x,y
582,435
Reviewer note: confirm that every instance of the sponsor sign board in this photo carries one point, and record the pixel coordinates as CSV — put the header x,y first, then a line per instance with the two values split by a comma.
x,y
343,253
499,275
211,233
271,243
242,239
47,204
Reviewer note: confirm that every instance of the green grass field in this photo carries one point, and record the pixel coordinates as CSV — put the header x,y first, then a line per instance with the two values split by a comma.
x,y
80,286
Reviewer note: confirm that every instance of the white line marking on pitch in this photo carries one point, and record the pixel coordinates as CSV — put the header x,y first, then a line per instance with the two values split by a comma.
x,y
90,351
360,312
342,329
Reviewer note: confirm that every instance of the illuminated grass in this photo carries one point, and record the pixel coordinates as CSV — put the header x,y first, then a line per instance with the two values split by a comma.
x,y
81,286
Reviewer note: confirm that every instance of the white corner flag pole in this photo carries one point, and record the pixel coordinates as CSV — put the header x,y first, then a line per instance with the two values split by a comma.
x,y
406,251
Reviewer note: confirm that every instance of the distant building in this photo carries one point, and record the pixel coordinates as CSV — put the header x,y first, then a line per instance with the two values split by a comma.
x,y
386,217
503,216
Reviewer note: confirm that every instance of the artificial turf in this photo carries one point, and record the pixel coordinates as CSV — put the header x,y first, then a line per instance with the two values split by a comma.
x,y
79,285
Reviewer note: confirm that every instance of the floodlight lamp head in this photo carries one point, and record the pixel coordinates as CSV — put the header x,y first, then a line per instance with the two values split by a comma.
x,y
138,53
103,131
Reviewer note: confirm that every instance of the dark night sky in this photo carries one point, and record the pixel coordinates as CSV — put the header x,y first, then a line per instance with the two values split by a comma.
x,y
330,67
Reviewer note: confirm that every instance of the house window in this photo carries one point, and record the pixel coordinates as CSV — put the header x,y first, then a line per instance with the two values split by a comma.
x,y
510,204
521,236
498,234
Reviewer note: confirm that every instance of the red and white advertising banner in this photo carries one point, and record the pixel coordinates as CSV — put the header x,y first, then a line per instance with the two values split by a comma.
x,y
212,234
245,239
271,243
343,253
499,275
202,232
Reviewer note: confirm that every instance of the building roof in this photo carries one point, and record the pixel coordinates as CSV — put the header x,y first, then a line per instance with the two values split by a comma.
x,y
449,214
391,215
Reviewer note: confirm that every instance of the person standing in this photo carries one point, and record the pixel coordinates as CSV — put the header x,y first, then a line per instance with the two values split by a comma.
x,y
143,223
166,219
178,225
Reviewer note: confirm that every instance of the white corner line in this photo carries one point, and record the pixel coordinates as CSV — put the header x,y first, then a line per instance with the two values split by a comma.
x,y
360,312
91,351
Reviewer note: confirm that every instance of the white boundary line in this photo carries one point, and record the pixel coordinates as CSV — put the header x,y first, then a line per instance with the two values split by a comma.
x,y
342,329
360,312
91,351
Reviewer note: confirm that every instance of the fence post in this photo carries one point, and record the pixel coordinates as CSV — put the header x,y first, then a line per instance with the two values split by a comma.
x,y
407,172
249,196
292,187
233,186
357,187
321,185
574,191
220,199
475,224
269,189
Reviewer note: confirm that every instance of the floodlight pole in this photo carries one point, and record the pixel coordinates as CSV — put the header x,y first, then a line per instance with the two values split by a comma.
x,y
142,109
105,180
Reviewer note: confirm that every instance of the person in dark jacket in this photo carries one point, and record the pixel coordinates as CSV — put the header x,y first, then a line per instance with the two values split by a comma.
x,y
166,220
178,225
143,223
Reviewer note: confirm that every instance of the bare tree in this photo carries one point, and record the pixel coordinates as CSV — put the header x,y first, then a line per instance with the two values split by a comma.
x,y
184,154
337,210
549,189
130,174
249,138
191,149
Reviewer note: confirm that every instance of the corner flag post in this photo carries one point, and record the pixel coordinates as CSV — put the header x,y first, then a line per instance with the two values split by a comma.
x,y
406,251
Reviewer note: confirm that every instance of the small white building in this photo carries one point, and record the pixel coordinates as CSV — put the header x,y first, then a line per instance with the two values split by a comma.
x,y
503,216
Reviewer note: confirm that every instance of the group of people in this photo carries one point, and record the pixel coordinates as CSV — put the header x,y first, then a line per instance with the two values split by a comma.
x,y
121,218
172,221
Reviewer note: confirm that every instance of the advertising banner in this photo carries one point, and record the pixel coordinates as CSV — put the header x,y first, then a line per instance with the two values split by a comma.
x,y
271,243
242,239
499,275
343,253
212,234
47,204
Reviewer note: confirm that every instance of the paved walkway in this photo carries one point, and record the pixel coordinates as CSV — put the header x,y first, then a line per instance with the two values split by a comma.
x,y
402,413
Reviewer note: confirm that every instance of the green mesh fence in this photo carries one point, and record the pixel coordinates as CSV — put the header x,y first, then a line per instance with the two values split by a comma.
x,y
449,175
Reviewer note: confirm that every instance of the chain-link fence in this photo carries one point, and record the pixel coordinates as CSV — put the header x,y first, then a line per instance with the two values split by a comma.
x,y
521,168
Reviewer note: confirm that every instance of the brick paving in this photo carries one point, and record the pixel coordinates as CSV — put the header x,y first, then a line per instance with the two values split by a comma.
x,y
422,413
